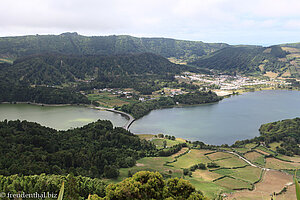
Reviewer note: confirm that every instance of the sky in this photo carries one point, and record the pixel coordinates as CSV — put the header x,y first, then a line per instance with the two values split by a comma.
x,y
261,22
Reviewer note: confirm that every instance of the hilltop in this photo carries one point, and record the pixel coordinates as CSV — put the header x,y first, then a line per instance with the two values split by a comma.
x,y
73,43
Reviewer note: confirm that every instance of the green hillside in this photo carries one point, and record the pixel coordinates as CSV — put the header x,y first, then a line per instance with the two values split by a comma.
x,y
244,59
57,69
72,43
95,150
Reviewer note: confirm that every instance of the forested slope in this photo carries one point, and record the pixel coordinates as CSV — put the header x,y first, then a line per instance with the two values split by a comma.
x,y
72,43
55,69
95,150
244,59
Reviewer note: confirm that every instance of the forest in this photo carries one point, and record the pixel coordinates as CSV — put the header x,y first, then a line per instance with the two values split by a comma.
x,y
64,76
95,150
286,132
40,94
140,109
142,185
243,59
75,44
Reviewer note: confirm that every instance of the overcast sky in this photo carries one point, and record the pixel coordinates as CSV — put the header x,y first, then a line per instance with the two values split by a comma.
x,y
261,22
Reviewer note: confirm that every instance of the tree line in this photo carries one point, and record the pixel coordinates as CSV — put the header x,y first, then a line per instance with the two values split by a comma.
x,y
141,109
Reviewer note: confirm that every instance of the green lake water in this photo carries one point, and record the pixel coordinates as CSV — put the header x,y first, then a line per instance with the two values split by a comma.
x,y
235,118
58,117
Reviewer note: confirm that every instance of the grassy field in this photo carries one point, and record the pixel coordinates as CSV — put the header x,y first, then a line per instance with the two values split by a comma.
x,y
249,174
210,189
241,150
206,175
159,142
145,136
106,99
274,163
183,150
193,157
256,158
264,150
149,164
266,187
219,155
295,158
232,183
274,145
231,162
250,145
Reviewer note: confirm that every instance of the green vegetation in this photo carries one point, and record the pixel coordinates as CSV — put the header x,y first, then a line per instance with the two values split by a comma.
x,y
109,100
67,74
95,150
231,162
159,143
285,132
151,185
243,59
249,174
76,187
140,109
233,183
72,43
55,69
256,158
193,157
40,94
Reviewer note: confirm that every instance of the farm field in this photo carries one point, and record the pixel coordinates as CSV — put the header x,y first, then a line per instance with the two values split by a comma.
x,y
206,175
219,155
232,183
209,189
148,164
193,157
159,142
274,145
231,162
250,145
183,150
295,158
248,173
266,187
256,158
106,99
264,150
241,150
274,163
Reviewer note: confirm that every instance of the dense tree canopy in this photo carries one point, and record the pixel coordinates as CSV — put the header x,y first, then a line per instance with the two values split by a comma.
x,y
94,150
140,109
286,132
245,59
151,185
72,43
76,187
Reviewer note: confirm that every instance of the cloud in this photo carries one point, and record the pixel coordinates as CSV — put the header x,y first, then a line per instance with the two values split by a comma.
x,y
232,21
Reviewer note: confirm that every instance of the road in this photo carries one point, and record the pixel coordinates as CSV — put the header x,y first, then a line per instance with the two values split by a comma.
x,y
128,116
247,161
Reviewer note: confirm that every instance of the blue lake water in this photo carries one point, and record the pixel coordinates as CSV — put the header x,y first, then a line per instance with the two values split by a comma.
x,y
235,118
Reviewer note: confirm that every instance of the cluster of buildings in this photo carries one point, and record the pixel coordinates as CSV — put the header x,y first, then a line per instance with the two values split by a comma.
x,y
227,82
128,95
